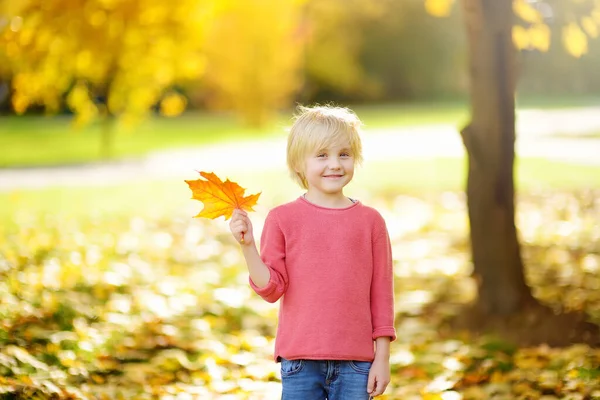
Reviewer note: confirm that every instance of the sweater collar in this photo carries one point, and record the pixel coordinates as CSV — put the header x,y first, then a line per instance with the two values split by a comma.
x,y
302,199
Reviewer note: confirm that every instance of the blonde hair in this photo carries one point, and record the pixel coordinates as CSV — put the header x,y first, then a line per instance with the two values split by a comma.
x,y
319,127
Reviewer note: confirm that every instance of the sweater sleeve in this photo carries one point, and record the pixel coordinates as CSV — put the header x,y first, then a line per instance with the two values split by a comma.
x,y
272,253
382,284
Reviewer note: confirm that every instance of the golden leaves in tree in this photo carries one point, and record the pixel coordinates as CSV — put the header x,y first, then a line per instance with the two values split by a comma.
x,y
535,37
172,105
326,49
527,12
254,55
536,34
575,40
220,198
439,8
590,26
127,52
79,101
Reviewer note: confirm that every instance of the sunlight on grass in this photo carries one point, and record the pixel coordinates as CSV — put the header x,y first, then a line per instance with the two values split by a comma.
x,y
35,140
159,198
52,140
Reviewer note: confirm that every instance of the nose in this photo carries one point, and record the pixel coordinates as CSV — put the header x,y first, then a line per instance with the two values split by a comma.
x,y
334,163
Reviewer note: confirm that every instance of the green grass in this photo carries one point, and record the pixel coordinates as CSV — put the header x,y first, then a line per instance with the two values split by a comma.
x,y
34,141
553,102
455,111
159,198
30,141
439,174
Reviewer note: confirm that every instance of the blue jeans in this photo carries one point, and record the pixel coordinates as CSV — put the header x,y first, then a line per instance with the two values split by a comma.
x,y
324,379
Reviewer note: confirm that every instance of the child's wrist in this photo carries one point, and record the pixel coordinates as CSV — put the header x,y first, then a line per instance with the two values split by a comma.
x,y
382,357
247,246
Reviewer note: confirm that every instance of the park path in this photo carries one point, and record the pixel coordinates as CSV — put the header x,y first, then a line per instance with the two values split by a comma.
x,y
570,135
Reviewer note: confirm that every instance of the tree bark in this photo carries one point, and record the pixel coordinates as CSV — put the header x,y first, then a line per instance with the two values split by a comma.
x,y
489,140
107,138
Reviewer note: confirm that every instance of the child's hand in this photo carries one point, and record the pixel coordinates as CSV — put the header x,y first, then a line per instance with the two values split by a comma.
x,y
379,377
241,227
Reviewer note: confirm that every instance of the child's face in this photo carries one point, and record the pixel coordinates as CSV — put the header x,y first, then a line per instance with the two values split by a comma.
x,y
328,170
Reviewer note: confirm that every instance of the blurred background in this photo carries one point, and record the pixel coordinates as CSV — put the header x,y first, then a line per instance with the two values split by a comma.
x,y
111,290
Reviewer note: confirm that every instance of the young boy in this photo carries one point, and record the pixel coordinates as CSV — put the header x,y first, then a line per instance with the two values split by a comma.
x,y
328,257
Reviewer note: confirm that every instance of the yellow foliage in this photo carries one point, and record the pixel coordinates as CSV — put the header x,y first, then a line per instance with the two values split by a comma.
x,y
79,96
590,26
432,396
172,105
20,103
79,101
596,14
254,56
439,8
539,35
129,52
520,37
575,40
536,37
333,58
526,12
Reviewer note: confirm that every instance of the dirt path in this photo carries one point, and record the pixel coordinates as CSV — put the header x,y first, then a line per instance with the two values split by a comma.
x,y
571,135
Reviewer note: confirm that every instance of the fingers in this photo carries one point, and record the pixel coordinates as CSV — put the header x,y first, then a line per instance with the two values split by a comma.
x,y
240,215
238,211
371,384
240,225
375,387
376,391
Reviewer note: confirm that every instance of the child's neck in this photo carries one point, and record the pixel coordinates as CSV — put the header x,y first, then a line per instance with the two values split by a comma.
x,y
337,200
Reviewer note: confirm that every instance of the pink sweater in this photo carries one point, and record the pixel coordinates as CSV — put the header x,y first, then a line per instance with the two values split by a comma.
x,y
333,267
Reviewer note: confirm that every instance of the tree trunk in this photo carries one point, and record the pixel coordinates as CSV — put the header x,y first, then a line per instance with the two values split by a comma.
x,y
489,140
106,142
107,136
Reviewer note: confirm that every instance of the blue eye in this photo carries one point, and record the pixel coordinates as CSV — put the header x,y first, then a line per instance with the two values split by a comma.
x,y
321,155
345,155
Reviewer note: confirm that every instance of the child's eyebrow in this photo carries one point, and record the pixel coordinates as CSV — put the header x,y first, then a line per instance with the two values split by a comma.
x,y
326,149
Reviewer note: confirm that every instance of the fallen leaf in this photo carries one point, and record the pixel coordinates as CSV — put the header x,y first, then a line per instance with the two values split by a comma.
x,y
220,198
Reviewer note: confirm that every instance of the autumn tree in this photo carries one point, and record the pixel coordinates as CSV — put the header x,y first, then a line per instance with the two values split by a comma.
x,y
254,53
336,30
260,55
493,27
106,58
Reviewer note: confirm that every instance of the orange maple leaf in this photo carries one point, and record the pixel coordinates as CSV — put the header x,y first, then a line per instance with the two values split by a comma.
x,y
220,198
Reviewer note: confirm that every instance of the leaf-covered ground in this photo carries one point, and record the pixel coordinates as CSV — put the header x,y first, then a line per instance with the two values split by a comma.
x,y
108,307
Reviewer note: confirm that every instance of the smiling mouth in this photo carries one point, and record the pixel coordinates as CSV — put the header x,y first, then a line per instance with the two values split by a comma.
x,y
333,176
